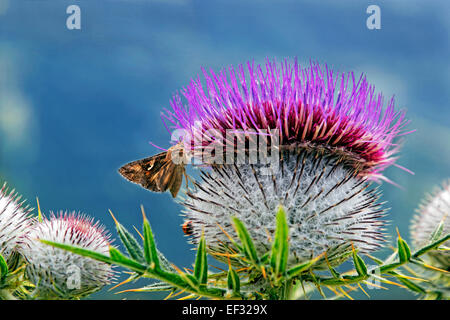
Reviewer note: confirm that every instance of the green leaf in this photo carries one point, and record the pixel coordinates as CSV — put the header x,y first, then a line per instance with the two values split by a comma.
x,y
359,264
150,252
127,263
130,243
164,262
80,251
404,253
298,269
201,264
334,273
233,281
432,246
246,240
409,284
3,268
388,267
280,246
124,261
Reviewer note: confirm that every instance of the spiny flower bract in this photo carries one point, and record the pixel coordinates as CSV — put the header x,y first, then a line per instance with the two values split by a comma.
x,y
15,222
60,274
328,207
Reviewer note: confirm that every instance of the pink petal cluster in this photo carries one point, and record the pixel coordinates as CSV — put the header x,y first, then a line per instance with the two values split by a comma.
x,y
311,107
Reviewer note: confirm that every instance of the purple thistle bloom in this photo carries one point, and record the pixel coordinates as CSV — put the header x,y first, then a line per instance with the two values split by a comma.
x,y
312,107
333,134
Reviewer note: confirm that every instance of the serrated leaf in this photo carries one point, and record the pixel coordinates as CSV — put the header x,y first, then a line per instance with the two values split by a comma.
x,y
280,246
3,268
201,264
233,281
150,251
246,240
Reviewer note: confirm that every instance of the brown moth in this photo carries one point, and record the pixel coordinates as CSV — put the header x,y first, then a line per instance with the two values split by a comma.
x,y
158,173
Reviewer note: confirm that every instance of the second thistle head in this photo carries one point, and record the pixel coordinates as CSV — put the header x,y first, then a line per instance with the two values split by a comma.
x,y
310,139
15,221
60,274
433,211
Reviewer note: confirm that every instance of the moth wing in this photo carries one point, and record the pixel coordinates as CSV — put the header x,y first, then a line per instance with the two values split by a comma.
x,y
144,171
176,181
163,178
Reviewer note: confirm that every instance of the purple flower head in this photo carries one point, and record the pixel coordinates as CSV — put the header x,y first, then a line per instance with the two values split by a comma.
x,y
311,107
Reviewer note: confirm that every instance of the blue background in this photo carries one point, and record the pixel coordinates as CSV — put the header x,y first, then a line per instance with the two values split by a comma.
x,y
77,104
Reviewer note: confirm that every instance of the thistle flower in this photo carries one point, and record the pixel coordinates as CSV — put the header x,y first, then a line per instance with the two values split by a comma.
x,y
432,211
14,222
57,273
331,135
312,108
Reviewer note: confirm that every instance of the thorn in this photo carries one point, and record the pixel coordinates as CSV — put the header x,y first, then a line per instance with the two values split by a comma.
x,y
178,293
114,218
120,284
359,285
410,278
224,254
130,290
333,290
269,238
216,267
140,235
435,268
169,295
398,233
392,283
367,283
143,212
190,296
39,210
345,293
263,270
226,233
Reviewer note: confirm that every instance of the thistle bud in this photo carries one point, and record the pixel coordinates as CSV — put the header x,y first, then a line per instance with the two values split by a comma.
x,y
60,274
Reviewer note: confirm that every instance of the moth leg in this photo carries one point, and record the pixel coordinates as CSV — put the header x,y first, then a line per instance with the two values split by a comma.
x,y
188,178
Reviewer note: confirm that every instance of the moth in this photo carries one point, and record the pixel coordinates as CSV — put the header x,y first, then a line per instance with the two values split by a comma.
x,y
160,172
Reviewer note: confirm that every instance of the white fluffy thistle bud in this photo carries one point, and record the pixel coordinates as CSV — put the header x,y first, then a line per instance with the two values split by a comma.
x,y
14,222
328,205
60,274
433,210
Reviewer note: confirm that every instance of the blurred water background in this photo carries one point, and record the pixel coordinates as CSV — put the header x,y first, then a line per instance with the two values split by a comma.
x,y
77,104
